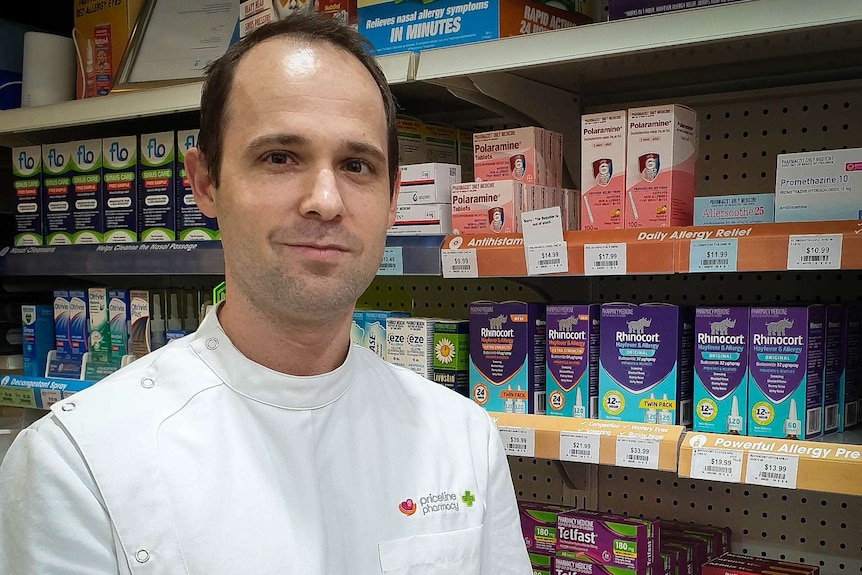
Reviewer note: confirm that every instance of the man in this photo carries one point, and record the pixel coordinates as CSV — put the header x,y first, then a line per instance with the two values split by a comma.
x,y
265,443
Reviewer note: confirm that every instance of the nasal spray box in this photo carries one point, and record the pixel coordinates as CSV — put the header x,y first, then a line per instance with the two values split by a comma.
x,y
37,323
59,199
603,170
156,185
645,369
99,326
721,370
519,154
139,338
785,392
572,360
61,323
27,181
660,177
452,354
120,159
79,322
507,356
835,370
89,209
819,186
119,318
192,225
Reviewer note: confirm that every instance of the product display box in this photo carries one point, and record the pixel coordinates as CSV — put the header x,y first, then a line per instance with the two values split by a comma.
x,y
394,26
451,361
59,200
29,195
411,141
192,225
619,9
736,564
342,10
422,220
612,540
156,188
603,170
441,144
819,186
410,344
522,154
37,334
88,215
572,360
731,210
429,183
539,526
488,207
120,173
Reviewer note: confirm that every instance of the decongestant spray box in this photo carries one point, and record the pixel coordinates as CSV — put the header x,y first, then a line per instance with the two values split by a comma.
x,y
27,181
120,169
99,327
660,177
192,225
645,368
119,317
721,369
79,322
785,391
88,214
507,356
572,360
58,198
603,170
156,185
37,334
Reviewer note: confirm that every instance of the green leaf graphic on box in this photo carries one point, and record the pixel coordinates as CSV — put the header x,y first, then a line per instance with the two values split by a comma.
x,y
623,529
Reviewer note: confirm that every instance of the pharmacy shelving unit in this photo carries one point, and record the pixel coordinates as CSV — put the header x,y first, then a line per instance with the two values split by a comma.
x,y
765,76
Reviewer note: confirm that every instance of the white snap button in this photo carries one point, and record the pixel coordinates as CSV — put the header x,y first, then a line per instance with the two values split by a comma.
x,y
147,383
142,556
212,343
68,406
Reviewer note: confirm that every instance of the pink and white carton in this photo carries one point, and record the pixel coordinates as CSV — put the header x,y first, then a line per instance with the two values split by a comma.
x,y
489,207
603,170
660,177
520,154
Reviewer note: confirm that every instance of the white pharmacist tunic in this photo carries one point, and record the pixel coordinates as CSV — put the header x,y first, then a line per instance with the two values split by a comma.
x,y
195,459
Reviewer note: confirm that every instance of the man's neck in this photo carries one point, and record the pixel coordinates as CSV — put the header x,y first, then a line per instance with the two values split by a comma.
x,y
294,348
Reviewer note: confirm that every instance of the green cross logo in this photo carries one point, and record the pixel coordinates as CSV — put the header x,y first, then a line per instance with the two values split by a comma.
x,y
468,498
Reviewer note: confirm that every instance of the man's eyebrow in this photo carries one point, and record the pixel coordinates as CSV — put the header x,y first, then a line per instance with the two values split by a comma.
x,y
364,149
277,139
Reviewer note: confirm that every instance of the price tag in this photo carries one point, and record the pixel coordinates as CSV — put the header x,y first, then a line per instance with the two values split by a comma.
x,y
392,263
580,447
716,464
518,441
604,259
772,470
637,452
459,263
547,258
814,252
712,255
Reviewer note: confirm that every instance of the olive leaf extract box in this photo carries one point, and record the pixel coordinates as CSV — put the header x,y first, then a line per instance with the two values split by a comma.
x,y
393,26
192,225
721,369
520,154
488,207
156,188
451,361
88,216
603,170
645,366
507,356
27,181
572,360
612,540
786,363
120,173
819,186
660,164
59,197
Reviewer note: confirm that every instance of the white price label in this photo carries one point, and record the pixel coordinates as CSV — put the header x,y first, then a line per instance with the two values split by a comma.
x,y
772,470
518,441
580,447
547,258
604,259
637,452
716,464
459,263
814,252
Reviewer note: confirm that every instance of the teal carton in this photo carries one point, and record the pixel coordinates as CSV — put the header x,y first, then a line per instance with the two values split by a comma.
x,y
99,325
120,174
375,329
192,225
88,215
27,181
59,199
156,188
37,322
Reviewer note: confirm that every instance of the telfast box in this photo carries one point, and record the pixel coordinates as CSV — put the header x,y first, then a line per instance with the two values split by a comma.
x,y
645,369
721,370
157,214
59,199
88,216
660,158
603,170
27,181
785,391
192,225
120,160
819,186
572,360
507,356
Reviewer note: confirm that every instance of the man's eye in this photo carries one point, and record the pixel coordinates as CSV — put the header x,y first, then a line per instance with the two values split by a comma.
x,y
356,166
277,158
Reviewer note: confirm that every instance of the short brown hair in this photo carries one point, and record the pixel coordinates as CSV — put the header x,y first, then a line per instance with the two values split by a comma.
x,y
304,26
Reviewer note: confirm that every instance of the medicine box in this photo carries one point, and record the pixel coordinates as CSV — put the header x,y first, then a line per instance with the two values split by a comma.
x,y
619,9
732,210
410,344
192,225
88,216
429,183
156,185
521,154
572,360
120,173
603,170
451,361
27,181
819,186
58,197
488,207
422,220
37,322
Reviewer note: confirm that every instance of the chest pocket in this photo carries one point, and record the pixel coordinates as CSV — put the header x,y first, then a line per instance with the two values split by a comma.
x,y
434,554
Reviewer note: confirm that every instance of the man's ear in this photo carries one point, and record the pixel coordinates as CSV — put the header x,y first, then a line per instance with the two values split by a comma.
x,y
202,185
393,201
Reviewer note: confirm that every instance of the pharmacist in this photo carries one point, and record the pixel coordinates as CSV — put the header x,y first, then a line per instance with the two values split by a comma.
x,y
264,443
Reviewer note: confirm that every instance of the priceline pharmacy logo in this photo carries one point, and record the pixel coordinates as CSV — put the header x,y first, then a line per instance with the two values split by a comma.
x,y
437,503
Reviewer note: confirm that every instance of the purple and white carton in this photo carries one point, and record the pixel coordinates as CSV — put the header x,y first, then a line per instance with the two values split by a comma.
x,y
834,372
612,540
645,367
572,360
785,390
507,356
721,369
853,367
